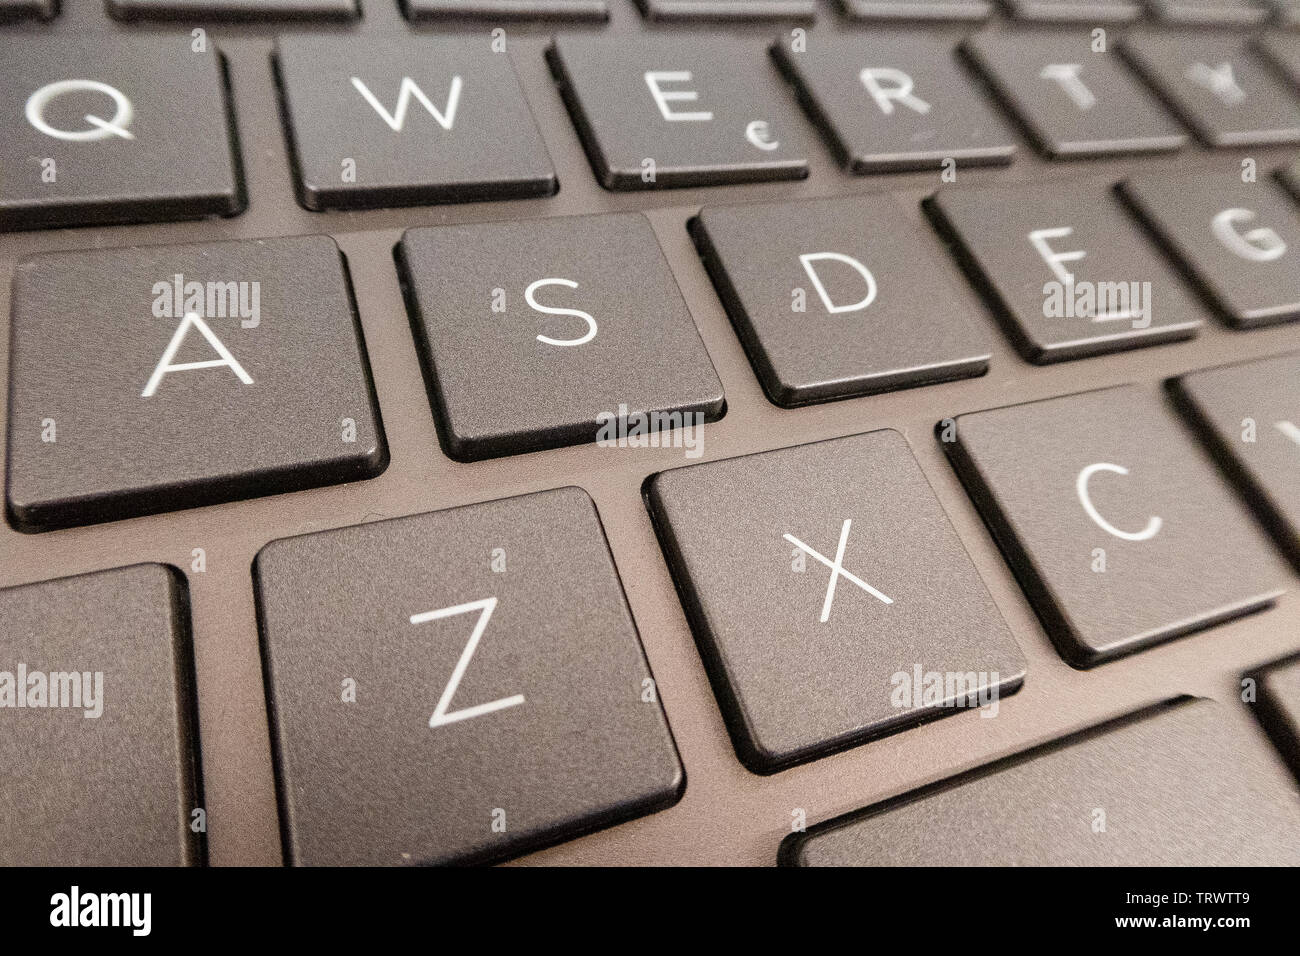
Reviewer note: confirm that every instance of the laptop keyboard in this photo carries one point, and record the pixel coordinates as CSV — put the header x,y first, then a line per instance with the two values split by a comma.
x,y
672,431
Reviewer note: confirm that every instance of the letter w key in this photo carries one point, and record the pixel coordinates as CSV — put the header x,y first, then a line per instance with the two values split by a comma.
x,y
361,136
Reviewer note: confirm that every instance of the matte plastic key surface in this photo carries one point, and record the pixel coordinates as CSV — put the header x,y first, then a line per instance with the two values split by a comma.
x,y
1249,416
1221,90
551,332
808,578
728,9
895,102
1119,528
829,310
1173,785
1074,11
135,130
234,9
457,687
918,10
404,121
161,377
1071,101
1239,243
433,10
679,111
98,734
1064,269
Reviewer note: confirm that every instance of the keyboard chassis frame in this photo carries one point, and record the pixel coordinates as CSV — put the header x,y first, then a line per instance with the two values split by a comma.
x,y
728,815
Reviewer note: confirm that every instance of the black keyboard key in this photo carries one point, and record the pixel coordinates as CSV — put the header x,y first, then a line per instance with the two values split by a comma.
x,y
1229,13
918,10
1249,416
1278,708
1121,533
1282,50
1074,11
728,9
898,102
106,133
1238,242
827,309
1067,274
500,696
97,699
1071,101
1222,92
17,9
554,332
1170,785
401,122
418,10
665,112
191,375
234,9
808,576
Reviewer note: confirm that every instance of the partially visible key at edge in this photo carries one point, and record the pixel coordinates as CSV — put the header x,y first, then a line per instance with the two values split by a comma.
x,y
115,781
1171,781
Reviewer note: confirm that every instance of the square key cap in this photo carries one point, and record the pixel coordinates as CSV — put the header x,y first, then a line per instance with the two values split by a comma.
x,y
1121,532
697,111
234,9
1238,242
1065,271
809,575
457,687
1249,416
897,102
827,309
917,10
406,121
552,332
100,745
107,132
728,9
418,10
1071,101
1218,88
162,377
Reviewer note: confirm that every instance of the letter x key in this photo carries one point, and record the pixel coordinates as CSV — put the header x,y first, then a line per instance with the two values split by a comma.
x,y
837,570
